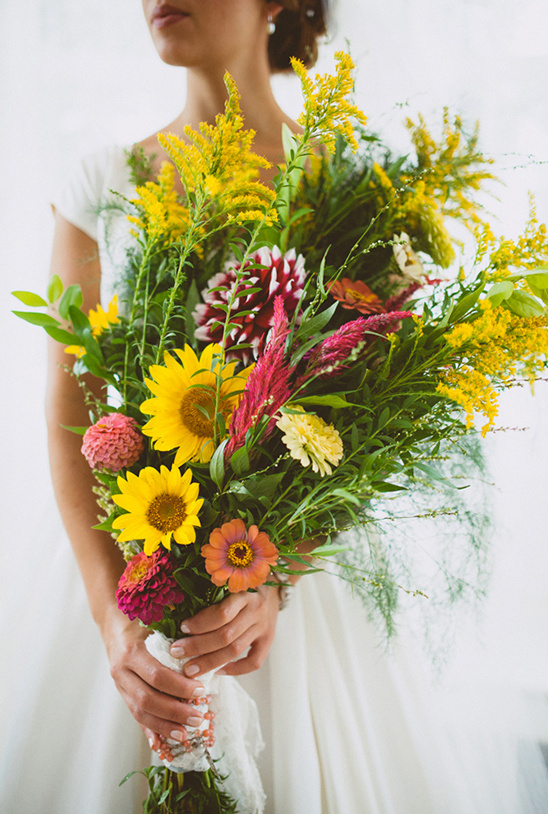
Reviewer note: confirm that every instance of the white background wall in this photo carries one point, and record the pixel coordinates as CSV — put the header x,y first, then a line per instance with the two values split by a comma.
x,y
76,75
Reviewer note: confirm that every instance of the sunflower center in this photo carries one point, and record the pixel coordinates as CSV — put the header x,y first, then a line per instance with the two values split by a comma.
x,y
166,512
193,403
240,554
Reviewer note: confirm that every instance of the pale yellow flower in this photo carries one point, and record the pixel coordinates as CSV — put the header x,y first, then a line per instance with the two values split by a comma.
x,y
311,440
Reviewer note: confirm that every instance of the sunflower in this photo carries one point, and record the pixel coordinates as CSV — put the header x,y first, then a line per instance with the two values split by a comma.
x,y
159,505
184,407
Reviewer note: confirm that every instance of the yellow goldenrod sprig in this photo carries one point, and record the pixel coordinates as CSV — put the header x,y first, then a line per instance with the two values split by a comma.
x,y
327,111
495,346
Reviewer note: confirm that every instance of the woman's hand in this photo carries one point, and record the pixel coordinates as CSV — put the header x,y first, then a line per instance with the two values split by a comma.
x,y
221,633
155,695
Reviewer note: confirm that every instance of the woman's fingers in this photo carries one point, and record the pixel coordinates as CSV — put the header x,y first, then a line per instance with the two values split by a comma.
x,y
254,659
131,655
240,621
155,710
154,694
215,616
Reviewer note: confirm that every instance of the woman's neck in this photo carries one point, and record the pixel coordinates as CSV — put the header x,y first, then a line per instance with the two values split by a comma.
x,y
207,94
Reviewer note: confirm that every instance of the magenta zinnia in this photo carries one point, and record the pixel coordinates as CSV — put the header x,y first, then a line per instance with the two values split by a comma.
x,y
114,442
147,586
242,557
269,272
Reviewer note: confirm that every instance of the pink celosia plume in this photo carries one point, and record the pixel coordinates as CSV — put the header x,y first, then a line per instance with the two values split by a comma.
x,y
267,387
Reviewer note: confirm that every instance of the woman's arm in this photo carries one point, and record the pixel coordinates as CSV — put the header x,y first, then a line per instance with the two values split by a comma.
x,y
153,693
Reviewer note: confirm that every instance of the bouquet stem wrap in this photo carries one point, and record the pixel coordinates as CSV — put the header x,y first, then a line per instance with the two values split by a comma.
x,y
238,737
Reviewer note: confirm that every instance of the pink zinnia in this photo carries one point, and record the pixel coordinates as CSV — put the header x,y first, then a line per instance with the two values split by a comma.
x,y
238,555
147,586
113,443
267,387
276,275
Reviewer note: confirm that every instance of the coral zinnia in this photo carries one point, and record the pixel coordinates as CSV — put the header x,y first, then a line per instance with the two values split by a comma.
x,y
147,586
353,294
160,505
113,442
310,440
274,275
183,411
241,556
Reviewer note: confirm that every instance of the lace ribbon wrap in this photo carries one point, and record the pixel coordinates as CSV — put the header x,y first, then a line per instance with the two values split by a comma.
x,y
238,738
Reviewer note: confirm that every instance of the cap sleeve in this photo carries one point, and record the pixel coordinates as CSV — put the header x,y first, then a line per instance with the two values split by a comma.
x,y
79,197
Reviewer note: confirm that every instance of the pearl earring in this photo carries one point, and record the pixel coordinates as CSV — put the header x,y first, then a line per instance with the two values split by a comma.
x,y
271,24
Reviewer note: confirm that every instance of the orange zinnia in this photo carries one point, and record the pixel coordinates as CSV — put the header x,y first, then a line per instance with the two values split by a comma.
x,y
238,555
353,294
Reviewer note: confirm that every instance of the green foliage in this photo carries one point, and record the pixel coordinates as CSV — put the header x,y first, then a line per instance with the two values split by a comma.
x,y
189,793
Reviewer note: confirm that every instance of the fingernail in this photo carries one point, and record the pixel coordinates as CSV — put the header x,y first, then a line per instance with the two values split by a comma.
x,y
184,628
150,743
221,671
177,652
176,735
191,669
194,721
198,692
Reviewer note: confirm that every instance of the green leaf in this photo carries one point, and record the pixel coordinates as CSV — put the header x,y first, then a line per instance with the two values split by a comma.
x,y
524,305
62,336
344,494
79,320
43,320
385,486
466,303
72,296
76,430
315,324
338,402
499,292
217,465
383,418
329,549
240,461
537,278
30,299
54,289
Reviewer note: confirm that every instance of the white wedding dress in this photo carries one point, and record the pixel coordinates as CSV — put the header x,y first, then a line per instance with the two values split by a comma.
x,y
349,728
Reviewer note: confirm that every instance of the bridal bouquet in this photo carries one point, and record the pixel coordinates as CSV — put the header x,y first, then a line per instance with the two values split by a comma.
x,y
279,357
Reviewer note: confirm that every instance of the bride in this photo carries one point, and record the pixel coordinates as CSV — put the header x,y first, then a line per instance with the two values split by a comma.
x,y
346,727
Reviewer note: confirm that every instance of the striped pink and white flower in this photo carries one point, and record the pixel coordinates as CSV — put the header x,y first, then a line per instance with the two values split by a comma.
x,y
268,274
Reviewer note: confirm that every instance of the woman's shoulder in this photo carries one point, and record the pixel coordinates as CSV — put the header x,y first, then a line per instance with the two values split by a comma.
x,y
88,182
